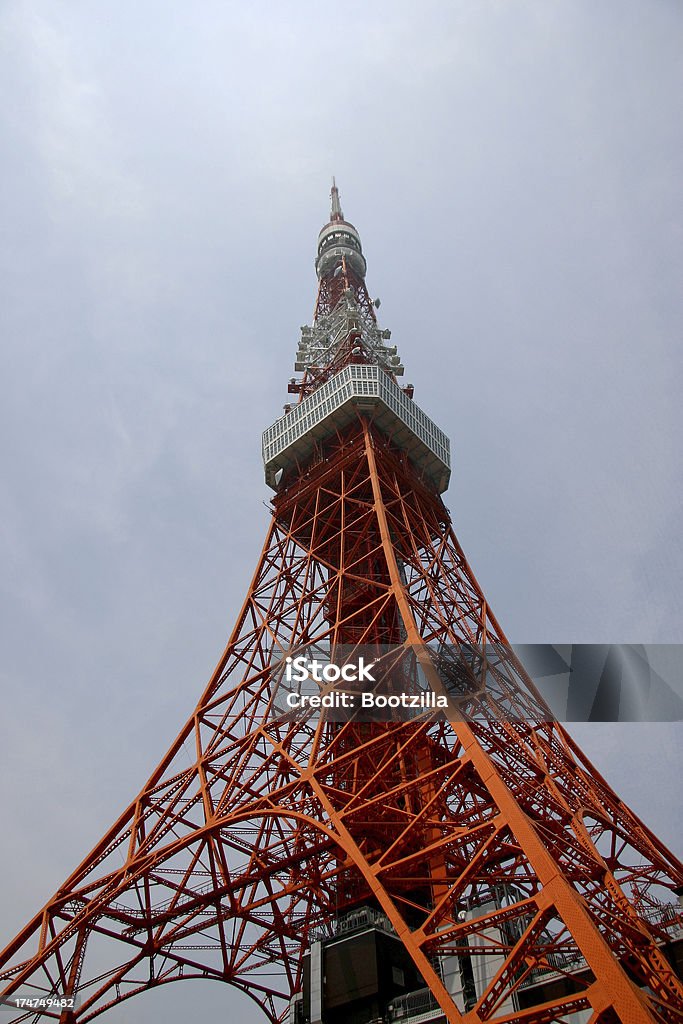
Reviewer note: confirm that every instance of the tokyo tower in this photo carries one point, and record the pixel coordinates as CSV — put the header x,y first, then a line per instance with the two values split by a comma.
x,y
408,863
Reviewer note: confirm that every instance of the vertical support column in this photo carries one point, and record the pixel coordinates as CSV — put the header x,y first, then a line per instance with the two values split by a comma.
x,y
485,964
316,982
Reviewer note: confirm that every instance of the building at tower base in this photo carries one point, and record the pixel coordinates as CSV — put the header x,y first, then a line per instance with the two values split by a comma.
x,y
359,974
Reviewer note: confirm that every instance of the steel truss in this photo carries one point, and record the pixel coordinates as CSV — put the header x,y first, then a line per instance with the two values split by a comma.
x,y
261,825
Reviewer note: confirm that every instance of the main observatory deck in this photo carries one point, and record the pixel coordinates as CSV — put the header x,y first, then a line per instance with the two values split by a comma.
x,y
291,439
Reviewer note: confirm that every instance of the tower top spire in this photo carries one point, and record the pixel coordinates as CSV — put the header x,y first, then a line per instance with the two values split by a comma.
x,y
338,241
336,212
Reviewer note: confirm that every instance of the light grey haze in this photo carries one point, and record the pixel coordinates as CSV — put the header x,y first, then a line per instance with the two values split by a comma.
x,y
514,171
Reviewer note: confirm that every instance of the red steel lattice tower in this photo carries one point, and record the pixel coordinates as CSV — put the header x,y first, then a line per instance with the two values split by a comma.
x,y
489,839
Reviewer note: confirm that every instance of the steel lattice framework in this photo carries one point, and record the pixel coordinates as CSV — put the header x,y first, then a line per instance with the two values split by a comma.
x,y
261,824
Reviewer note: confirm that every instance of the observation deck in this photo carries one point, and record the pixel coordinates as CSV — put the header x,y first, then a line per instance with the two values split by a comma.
x,y
334,405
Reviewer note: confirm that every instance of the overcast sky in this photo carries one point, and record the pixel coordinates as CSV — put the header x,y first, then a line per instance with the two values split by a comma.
x,y
514,171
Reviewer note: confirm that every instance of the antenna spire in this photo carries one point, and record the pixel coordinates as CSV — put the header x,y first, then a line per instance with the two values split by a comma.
x,y
336,214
